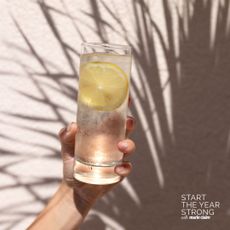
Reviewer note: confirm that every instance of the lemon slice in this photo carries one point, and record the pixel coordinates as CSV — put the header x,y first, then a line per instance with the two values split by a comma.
x,y
103,85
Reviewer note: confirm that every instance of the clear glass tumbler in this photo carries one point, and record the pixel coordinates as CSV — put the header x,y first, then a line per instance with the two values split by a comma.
x,y
102,110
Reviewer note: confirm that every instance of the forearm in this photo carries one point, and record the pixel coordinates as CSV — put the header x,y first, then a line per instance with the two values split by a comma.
x,y
61,212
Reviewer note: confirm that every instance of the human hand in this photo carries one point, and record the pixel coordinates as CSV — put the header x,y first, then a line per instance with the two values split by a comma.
x,y
85,194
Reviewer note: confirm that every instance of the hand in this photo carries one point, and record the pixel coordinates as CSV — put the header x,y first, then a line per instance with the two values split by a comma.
x,y
85,194
70,204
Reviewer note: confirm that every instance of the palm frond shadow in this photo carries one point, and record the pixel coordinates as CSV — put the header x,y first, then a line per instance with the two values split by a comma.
x,y
188,156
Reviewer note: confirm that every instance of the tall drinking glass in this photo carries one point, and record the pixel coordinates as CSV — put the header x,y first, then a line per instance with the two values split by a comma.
x,y
102,109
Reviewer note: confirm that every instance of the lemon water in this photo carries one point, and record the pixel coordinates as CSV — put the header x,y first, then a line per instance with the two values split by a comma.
x,y
101,117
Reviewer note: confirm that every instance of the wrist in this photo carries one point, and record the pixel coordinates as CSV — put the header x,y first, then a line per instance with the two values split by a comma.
x,y
74,199
60,213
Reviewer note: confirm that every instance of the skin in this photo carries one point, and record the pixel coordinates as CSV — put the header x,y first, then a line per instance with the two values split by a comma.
x,y
70,204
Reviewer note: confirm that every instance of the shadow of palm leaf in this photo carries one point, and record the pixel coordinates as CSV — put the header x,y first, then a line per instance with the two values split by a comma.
x,y
200,109
183,119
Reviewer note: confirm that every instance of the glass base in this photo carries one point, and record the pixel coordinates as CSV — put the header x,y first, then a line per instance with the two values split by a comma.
x,y
95,174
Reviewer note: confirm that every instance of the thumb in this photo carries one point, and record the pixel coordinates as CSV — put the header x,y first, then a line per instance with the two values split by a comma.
x,y
67,139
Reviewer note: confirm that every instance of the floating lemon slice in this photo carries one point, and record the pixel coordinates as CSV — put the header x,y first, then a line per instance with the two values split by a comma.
x,y
103,85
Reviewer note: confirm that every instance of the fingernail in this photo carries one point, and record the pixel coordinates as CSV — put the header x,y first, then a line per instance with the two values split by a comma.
x,y
131,121
61,131
129,102
119,169
123,169
69,127
123,145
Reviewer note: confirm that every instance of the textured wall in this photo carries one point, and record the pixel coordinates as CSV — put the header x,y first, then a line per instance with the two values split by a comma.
x,y
181,100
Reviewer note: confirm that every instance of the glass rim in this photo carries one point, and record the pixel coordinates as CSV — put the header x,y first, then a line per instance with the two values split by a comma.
x,y
108,46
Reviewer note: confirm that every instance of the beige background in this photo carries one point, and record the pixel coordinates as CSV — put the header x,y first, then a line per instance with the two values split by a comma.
x,y
181,100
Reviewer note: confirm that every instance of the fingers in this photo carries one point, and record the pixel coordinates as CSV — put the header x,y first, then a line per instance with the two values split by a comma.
x,y
130,125
123,169
130,122
67,139
126,146
129,102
